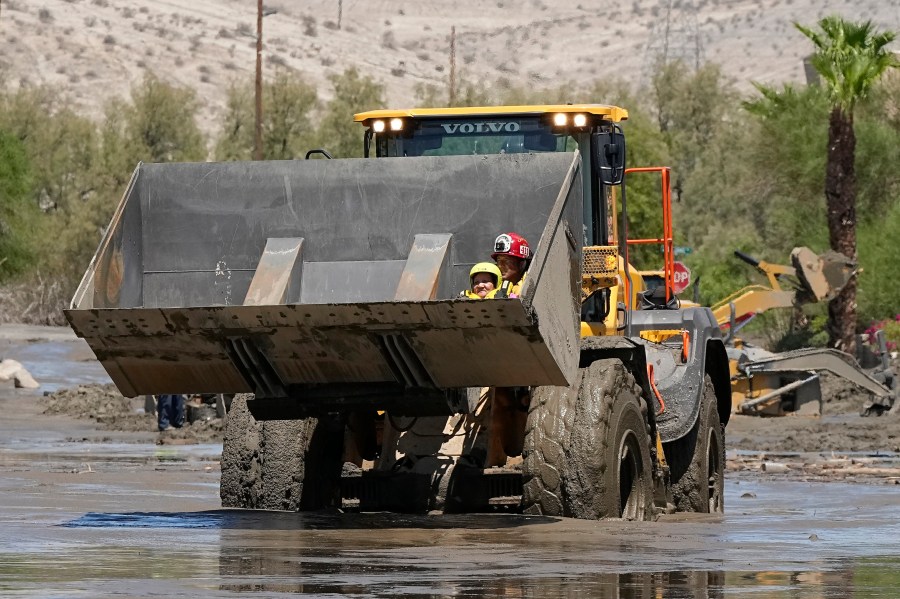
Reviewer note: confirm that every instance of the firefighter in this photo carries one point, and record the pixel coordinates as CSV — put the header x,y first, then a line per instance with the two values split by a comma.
x,y
512,255
483,278
509,405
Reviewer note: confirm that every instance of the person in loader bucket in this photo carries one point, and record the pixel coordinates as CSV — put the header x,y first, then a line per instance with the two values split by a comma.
x,y
509,405
511,253
484,278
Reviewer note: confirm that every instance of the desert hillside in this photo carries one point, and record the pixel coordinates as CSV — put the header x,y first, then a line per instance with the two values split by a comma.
x,y
96,49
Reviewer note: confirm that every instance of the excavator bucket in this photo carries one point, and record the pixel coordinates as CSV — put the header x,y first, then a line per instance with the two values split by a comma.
x,y
270,277
822,276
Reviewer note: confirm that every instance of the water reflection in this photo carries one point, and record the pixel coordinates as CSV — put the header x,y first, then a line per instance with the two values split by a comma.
x,y
270,571
265,520
335,574
373,555
149,520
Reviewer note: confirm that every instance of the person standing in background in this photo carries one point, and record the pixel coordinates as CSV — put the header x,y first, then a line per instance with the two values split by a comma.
x,y
169,411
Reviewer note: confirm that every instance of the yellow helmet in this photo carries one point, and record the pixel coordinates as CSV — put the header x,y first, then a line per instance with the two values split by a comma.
x,y
488,267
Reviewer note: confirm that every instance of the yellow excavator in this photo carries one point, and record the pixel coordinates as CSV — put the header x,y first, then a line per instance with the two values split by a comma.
x,y
773,384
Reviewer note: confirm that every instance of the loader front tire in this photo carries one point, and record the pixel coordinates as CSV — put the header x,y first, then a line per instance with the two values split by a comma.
x,y
551,415
697,460
587,452
279,464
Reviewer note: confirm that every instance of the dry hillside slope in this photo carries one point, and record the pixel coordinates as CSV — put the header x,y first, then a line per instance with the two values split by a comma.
x,y
96,49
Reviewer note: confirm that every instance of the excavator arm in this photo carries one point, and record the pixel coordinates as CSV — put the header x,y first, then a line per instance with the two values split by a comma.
x,y
810,278
767,383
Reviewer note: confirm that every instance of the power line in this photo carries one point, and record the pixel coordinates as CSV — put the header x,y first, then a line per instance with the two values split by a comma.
x,y
675,37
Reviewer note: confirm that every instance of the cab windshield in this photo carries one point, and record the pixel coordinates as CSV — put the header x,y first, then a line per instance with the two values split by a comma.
x,y
453,137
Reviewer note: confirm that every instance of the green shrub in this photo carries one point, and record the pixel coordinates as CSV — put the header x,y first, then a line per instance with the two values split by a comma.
x,y
17,210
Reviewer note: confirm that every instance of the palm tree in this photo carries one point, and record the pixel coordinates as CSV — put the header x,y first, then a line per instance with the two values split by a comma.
x,y
850,58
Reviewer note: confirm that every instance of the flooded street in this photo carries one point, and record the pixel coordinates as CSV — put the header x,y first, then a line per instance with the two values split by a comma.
x,y
88,513
128,530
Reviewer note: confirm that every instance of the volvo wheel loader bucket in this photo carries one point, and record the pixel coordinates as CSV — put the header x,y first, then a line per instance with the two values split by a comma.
x,y
334,278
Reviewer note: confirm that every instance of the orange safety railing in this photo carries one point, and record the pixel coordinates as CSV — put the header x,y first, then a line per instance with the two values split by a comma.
x,y
667,240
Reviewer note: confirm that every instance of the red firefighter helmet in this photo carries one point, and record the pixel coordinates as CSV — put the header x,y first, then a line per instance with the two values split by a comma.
x,y
511,244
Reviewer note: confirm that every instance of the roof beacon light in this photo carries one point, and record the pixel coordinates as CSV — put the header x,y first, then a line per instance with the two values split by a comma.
x,y
377,126
560,119
579,120
396,124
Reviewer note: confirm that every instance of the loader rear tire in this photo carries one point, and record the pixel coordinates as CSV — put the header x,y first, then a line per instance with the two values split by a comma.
x,y
697,460
587,452
279,464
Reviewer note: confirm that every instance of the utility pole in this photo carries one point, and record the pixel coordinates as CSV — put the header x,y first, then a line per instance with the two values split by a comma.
x,y
257,139
340,12
452,65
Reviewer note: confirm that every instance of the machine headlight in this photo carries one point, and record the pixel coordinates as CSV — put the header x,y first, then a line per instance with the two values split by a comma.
x,y
396,124
560,119
579,120
378,126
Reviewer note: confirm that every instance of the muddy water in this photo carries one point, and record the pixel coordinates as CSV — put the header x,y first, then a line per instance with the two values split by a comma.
x,y
81,516
142,522
53,356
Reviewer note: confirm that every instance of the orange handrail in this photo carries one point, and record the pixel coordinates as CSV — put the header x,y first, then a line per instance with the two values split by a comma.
x,y
667,240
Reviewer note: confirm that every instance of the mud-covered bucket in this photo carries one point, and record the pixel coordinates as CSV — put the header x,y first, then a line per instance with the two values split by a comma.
x,y
272,276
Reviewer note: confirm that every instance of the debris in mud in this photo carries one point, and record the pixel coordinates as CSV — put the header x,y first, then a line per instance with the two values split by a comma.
x,y
840,396
98,402
838,445
199,431
774,467
106,406
10,369
883,469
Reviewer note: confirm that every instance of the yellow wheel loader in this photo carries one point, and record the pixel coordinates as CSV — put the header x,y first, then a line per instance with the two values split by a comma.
x,y
325,295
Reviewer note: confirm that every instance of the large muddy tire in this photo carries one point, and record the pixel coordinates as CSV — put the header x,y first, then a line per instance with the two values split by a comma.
x,y
587,453
239,483
697,460
551,416
279,464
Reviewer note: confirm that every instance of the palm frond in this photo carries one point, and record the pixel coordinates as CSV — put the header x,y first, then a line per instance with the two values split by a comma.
x,y
850,57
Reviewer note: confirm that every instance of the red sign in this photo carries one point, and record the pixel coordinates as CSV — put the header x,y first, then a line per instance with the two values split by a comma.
x,y
681,278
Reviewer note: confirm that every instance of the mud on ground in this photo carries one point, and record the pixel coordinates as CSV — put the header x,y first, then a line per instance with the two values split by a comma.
x,y
838,445
839,428
112,412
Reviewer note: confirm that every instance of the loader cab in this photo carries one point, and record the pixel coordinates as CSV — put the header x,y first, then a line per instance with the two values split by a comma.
x,y
469,135
592,129
509,130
